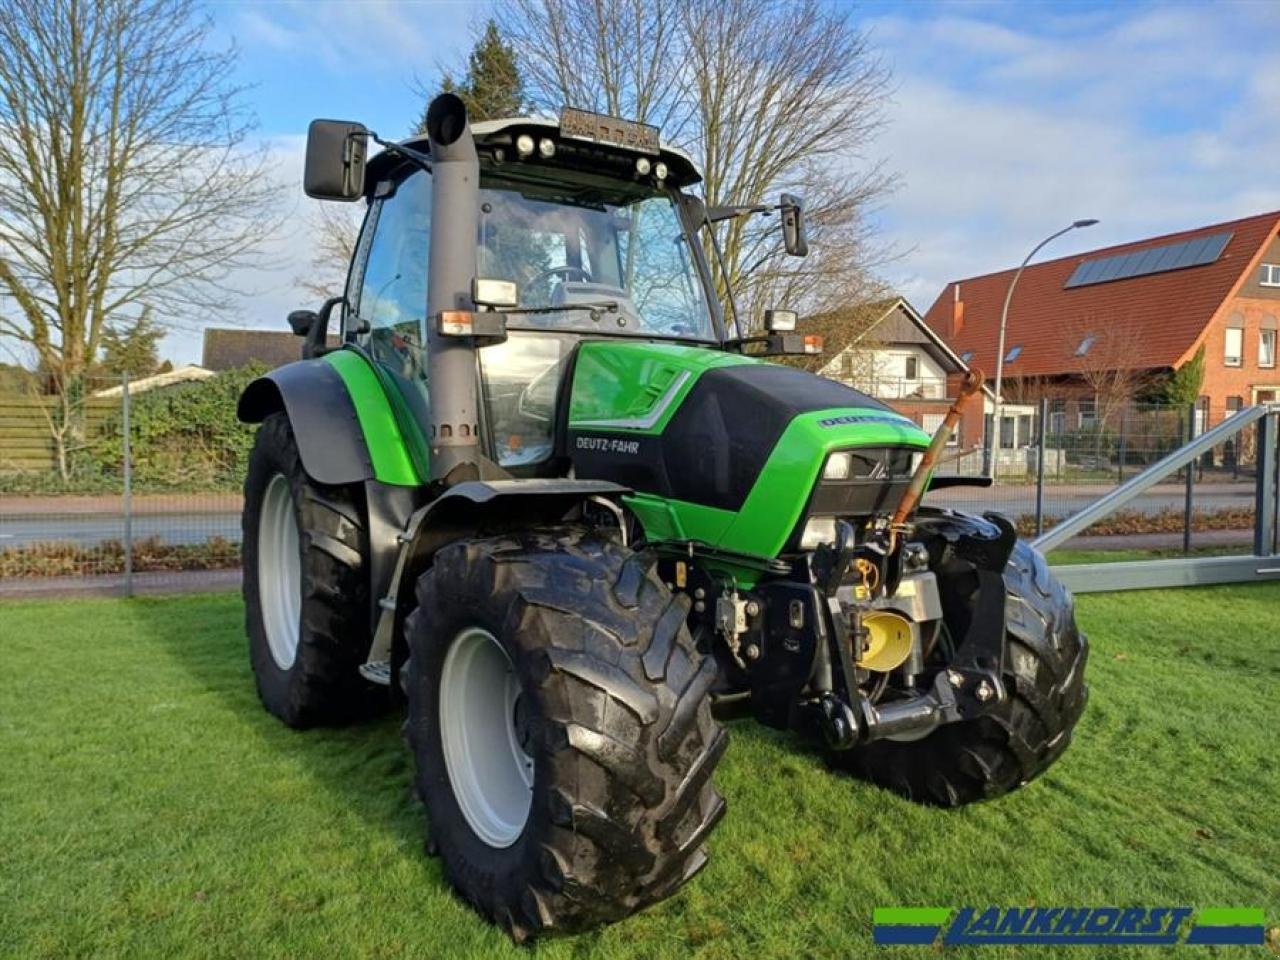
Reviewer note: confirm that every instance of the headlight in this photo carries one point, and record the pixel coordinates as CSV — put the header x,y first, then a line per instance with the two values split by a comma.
x,y
524,145
818,530
838,467
546,148
660,170
642,166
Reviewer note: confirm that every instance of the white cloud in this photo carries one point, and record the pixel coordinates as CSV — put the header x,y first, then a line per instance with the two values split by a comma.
x,y
1153,120
359,39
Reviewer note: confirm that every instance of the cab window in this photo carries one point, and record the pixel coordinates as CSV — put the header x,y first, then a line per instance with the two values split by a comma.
x,y
393,290
392,299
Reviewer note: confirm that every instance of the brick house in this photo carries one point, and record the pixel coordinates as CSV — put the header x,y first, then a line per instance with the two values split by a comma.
x,y
1135,311
886,350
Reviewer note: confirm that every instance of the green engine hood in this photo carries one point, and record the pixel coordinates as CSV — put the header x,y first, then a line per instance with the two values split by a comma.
x,y
719,447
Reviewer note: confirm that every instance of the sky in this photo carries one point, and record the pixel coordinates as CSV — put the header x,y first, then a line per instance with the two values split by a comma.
x,y
1007,121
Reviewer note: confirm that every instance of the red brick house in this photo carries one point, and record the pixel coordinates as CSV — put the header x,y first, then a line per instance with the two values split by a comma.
x,y
1145,307
886,350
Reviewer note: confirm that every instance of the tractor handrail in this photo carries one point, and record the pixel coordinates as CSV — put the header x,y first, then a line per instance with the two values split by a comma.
x,y
1153,474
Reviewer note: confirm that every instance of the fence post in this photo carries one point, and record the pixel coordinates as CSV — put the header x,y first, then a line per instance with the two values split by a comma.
x,y
1123,449
127,455
1191,482
1044,435
1264,518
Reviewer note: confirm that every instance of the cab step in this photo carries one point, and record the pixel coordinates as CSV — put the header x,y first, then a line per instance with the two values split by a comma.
x,y
377,671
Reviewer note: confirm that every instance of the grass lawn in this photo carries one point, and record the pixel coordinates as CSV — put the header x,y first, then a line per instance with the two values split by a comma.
x,y
150,808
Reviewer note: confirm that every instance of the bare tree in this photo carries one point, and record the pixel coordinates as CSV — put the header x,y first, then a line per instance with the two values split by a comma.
x,y
767,95
1110,362
335,228
126,178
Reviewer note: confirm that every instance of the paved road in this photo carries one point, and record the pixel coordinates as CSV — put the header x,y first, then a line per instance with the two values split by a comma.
x,y
87,526
89,529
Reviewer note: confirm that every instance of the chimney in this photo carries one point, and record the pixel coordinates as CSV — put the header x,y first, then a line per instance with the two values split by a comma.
x,y
957,311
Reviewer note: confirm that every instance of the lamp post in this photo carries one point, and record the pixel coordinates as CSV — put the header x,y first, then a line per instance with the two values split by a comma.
x,y
993,436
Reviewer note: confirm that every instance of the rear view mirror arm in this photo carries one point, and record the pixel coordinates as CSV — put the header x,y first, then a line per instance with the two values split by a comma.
x,y
314,344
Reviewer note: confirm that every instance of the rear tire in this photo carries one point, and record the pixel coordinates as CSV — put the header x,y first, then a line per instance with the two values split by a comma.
x,y
611,713
973,760
305,586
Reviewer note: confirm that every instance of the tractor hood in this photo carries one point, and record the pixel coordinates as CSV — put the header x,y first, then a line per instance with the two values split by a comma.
x,y
720,448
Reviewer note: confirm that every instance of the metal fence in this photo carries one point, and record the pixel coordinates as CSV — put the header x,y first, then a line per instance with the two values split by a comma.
x,y
117,488
1059,456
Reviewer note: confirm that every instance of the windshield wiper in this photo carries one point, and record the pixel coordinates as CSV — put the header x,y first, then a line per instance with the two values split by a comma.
x,y
605,306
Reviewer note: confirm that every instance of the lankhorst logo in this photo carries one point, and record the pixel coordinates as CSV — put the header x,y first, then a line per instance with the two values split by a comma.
x,y
1118,926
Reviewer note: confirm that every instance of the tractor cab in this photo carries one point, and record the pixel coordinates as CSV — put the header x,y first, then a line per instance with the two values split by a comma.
x,y
575,239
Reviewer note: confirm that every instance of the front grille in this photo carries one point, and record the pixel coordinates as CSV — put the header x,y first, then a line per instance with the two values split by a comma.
x,y
877,481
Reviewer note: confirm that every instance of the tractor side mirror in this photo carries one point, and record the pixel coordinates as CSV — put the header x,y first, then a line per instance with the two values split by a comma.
x,y
780,321
335,160
793,232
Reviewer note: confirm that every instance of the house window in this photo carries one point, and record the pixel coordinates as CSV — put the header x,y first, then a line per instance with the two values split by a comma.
x,y
1234,405
1266,348
966,356
1013,354
912,367
1086,412
1057,416
1202,415
1270,275
1085,344
1233,351
930,422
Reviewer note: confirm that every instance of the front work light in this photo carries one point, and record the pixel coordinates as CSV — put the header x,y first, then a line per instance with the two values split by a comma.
x,y
818,530
524,145
838,467
546,148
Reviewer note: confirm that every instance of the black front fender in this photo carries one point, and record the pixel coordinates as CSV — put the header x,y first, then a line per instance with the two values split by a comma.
x,y
323,418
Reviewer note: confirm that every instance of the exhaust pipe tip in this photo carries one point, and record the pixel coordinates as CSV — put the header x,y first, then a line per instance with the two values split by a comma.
x,y
446,119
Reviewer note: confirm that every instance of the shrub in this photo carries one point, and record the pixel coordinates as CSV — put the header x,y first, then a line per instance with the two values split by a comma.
x,y
183,437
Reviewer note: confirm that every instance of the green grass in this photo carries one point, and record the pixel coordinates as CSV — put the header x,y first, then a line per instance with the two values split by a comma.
x,y
1069,557
150,808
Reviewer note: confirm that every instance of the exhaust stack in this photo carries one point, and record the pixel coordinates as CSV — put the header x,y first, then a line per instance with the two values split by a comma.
x,y
451,361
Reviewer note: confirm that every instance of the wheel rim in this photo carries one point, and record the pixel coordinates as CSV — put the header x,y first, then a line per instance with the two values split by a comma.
x,y
280,572
491,775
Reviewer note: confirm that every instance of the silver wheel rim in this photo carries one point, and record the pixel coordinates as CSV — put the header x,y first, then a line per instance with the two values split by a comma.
x,y
280,572
491,775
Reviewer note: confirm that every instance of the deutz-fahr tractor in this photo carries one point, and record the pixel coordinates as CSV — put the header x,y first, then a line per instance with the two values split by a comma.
x,y
544,493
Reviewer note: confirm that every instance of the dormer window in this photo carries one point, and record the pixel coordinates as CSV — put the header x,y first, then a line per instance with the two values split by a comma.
x,y
966,356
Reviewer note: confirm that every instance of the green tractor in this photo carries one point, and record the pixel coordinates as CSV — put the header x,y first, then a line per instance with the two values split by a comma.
x,y
547,494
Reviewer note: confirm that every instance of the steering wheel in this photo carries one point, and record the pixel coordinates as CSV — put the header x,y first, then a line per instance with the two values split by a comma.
x,y
564,271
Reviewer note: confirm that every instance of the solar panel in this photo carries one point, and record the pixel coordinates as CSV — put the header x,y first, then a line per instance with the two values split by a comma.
x,y
1195,252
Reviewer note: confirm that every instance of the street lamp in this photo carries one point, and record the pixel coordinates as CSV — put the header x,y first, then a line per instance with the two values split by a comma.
x,y
993,436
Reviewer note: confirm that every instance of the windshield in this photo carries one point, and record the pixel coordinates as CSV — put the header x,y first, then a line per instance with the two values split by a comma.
x,y
593,267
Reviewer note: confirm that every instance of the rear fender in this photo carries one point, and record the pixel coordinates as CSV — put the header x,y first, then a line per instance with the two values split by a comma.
x,y
343,423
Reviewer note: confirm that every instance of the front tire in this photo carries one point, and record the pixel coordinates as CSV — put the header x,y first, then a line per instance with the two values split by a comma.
x,y
305,586
980,759
595,737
